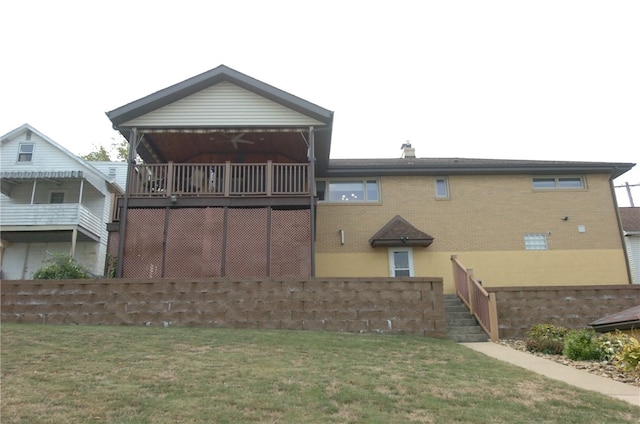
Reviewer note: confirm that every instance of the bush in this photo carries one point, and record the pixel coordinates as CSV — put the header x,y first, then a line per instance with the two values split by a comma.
x,y
628,356
582,345
546,338
611,343
61,267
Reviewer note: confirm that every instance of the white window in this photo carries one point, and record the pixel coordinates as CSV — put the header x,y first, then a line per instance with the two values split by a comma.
x,y
25,152
546,183
442,188
56,197
535,241
401,262
353,191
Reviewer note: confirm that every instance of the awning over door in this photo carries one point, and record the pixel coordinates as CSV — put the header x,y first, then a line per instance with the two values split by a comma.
x,y
399,232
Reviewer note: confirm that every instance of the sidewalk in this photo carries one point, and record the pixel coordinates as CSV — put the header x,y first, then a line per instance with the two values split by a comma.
x,y
551,369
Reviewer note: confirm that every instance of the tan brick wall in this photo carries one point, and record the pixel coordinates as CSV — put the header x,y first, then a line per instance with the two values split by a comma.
x,y
484,223
519,308
484,213
411,306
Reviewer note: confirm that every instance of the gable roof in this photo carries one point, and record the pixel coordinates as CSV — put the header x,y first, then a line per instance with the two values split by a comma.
x,y
43,173
453,166
630,218
399,232
207,79
122,116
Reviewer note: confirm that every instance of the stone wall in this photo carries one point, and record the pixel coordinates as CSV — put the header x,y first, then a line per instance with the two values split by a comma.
x,y
408,306
573,307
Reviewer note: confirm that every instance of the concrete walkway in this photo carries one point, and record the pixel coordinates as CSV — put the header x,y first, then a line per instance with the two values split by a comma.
x,y
556,371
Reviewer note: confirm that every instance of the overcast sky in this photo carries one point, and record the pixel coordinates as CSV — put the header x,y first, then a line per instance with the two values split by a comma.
x,y
548,80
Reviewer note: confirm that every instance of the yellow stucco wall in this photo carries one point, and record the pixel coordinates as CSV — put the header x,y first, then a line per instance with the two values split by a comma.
x,y
495,269
483,223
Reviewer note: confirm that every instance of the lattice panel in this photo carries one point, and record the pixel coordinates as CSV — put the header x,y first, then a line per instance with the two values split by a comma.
x,y
194,242
143,243
290,243
246,254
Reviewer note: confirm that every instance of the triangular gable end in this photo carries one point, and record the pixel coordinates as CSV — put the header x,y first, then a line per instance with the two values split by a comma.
x,y
223,105
399,232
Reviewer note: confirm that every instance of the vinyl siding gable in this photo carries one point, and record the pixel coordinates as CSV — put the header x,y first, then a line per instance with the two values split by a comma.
x,y
223,105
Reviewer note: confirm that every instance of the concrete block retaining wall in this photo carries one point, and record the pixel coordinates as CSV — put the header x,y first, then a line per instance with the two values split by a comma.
x,y
408,306
573,307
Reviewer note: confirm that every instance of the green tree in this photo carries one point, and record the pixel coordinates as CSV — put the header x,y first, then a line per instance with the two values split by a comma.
x,y
118,151
96,156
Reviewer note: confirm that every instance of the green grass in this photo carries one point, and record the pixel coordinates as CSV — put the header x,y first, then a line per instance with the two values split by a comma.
x,y
84,374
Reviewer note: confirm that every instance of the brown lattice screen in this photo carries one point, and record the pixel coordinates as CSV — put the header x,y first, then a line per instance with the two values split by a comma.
x,y
246,248
212,242
143,244
194,242
290,243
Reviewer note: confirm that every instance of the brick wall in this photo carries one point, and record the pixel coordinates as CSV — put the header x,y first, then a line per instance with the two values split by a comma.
x,y
519,308
411,306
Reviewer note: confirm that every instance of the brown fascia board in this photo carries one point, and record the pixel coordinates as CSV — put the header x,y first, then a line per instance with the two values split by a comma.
x,y
207,79
461,166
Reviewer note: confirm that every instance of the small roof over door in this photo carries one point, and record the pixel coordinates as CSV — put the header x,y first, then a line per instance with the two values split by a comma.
x,y
399,232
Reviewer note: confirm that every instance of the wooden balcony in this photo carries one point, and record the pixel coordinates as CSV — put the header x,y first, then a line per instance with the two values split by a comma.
x,y
220,180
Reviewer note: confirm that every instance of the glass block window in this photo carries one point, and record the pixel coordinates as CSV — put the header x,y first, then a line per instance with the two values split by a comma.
x,y
535,241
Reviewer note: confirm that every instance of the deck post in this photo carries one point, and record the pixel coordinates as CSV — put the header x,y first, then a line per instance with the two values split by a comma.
x,y
493,318
269,181
470,291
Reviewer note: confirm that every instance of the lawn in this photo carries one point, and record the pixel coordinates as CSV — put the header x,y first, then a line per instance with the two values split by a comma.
x,y
101,374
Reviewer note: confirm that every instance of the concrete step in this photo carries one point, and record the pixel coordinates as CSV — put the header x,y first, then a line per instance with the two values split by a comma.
x,y
463,327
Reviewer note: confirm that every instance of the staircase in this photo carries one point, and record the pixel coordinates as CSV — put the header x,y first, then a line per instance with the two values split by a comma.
x,y
463,327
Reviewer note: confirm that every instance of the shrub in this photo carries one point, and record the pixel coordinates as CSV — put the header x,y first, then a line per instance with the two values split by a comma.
x,y
61,266
582,345
546,338
611,343
628,357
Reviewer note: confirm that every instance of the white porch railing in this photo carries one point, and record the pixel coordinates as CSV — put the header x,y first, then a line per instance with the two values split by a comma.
x,y
53,215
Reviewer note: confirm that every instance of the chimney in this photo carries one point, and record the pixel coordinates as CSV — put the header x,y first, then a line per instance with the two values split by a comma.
x,y
408,152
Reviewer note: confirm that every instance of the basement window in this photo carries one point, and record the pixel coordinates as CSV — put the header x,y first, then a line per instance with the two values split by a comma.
x,y
535,242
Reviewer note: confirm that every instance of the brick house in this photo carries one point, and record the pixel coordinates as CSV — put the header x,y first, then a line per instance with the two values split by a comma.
x,y
236,181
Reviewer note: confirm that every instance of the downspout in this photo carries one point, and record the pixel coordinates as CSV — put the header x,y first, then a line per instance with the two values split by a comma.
x,y
312,193
133,144
621,231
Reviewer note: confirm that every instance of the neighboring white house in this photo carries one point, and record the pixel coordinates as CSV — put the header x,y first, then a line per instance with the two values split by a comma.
x,y
52,202
631,228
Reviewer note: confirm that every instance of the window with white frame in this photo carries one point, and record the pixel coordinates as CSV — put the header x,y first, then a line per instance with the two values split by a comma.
x,y
401,262
56,197
535,241
25,152
442,188
553,183
352,191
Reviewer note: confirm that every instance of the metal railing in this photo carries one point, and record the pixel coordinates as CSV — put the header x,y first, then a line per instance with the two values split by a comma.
x,y
480,302
225,179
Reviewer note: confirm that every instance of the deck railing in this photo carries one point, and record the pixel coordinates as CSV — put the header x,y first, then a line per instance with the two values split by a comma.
x,y
481,303
224,179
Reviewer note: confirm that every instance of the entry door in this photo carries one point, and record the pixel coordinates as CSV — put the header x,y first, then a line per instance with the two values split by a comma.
x,y
401,262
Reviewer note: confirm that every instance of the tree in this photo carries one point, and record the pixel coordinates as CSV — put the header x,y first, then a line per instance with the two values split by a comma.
x,y
118,152
99,155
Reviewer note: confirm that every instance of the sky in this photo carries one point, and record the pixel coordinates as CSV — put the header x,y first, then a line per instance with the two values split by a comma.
x,y
539,80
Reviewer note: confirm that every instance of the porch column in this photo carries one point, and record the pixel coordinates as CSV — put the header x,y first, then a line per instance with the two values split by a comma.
x,y
133,146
